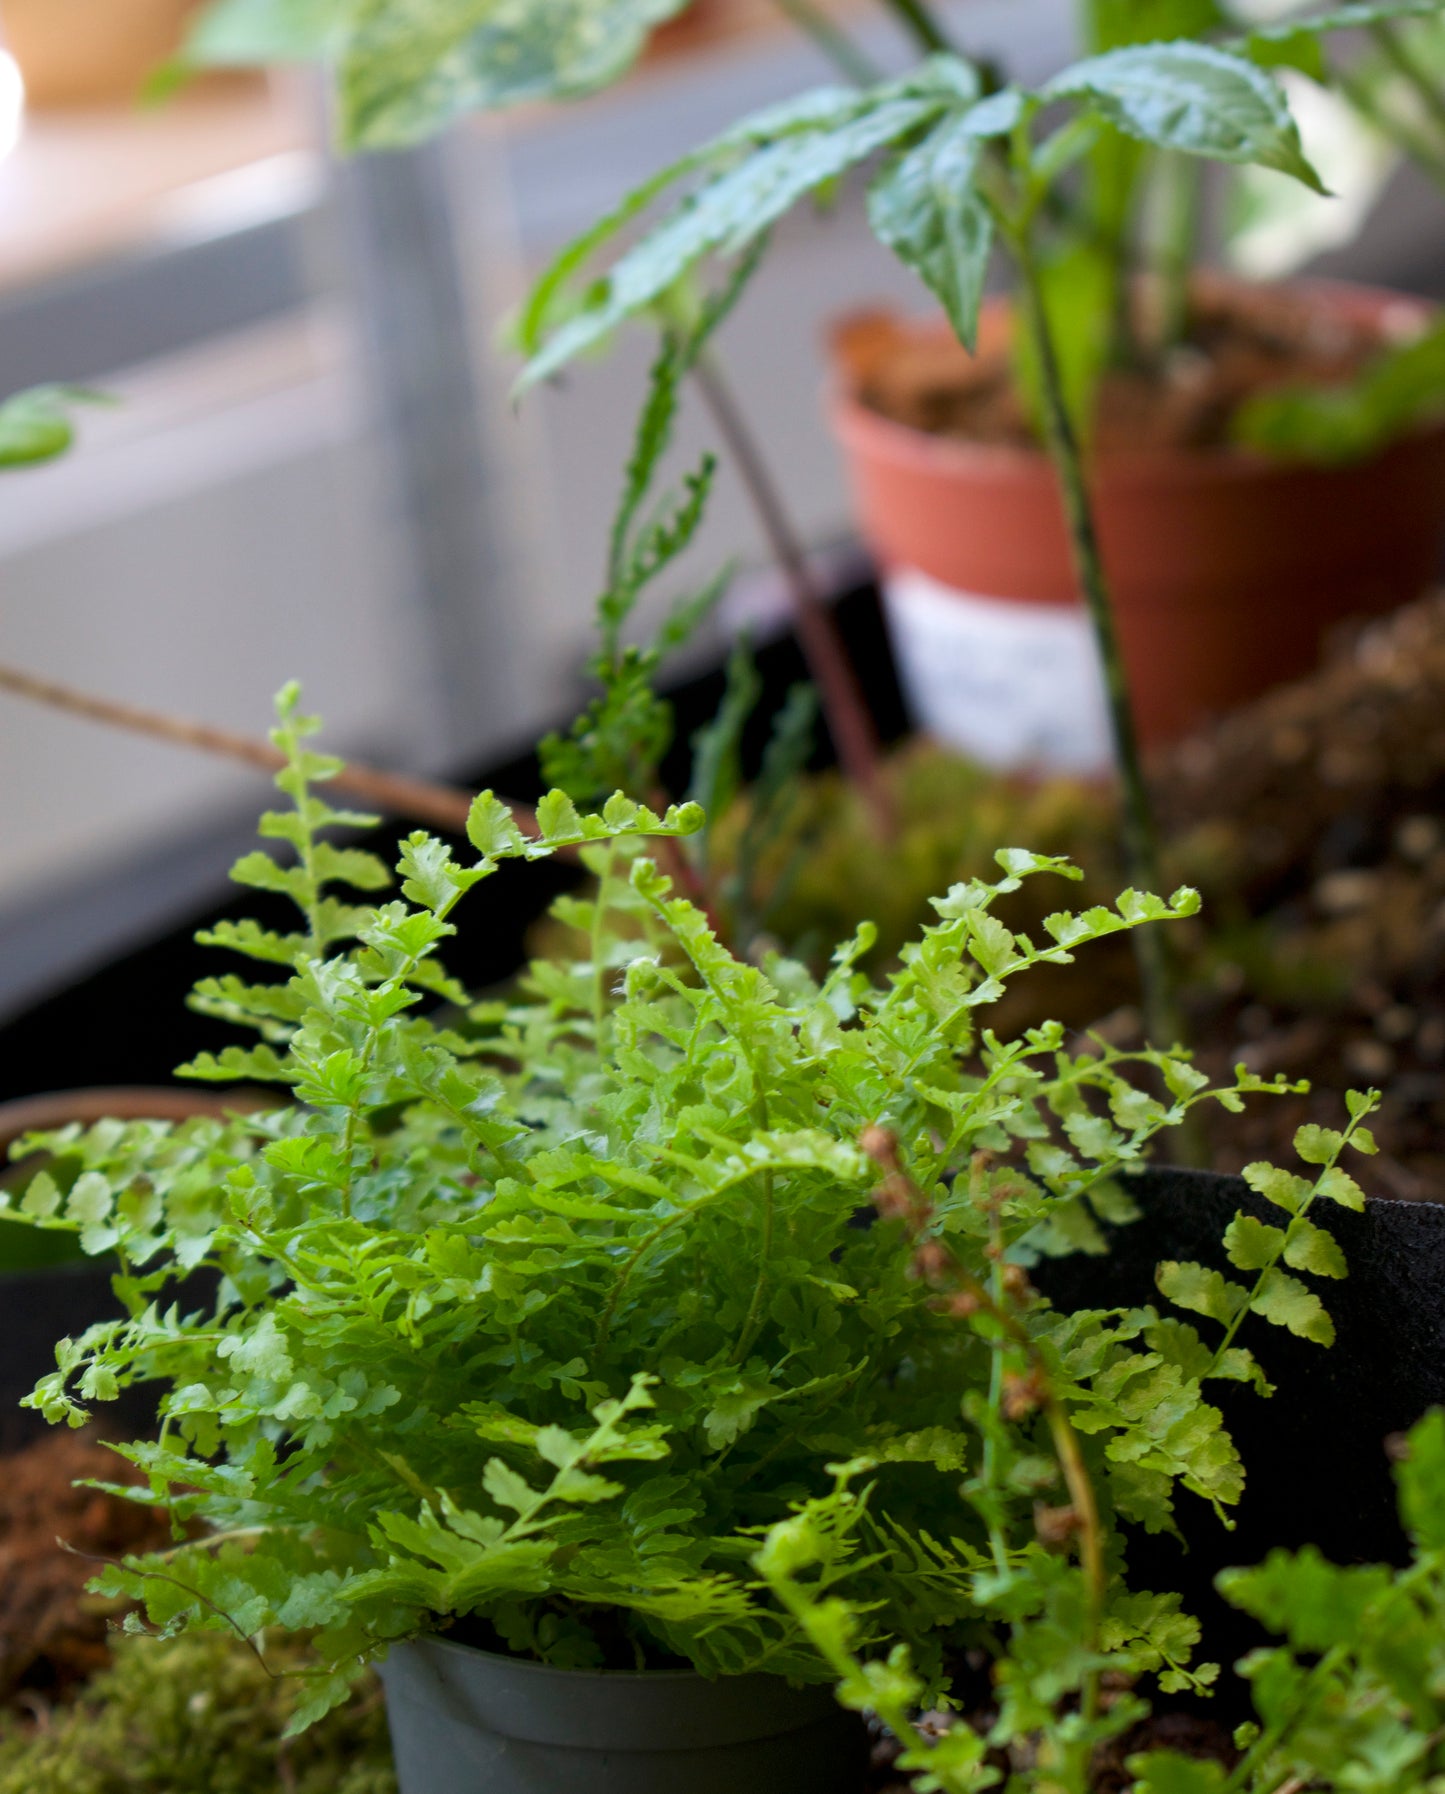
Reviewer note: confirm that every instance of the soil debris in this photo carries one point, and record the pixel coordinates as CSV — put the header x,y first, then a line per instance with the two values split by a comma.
x,y
52,1634
1242,341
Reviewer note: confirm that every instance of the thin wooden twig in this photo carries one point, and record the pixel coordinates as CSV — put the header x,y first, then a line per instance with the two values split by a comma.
x,y
847,715
421,800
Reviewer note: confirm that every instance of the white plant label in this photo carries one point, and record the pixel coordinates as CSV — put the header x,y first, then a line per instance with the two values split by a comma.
x,y
1010,683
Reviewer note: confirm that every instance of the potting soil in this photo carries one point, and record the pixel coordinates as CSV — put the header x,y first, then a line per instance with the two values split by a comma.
x,y
1241,341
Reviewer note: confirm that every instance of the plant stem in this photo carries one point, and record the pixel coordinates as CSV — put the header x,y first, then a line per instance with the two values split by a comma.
x,y
1141,854
1180,193
924,28
849,723
600,900
851,62
1406,137
443,806
1404,61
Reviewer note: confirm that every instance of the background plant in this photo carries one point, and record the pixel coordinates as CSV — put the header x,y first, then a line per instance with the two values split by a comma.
x,y
1168,83
199,1712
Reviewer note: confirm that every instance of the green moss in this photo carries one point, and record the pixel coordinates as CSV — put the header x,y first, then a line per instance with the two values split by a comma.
x,y
184,1715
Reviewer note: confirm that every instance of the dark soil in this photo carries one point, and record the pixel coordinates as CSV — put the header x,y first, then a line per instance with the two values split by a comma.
x,y
52,1634
1189,1734
1240,342
1315,820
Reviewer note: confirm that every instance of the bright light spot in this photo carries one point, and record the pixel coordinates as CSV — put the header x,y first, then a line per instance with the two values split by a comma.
x,y
12,103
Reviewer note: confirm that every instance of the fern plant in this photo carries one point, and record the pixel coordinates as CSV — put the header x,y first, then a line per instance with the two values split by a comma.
x,y
1350,1700
539,1313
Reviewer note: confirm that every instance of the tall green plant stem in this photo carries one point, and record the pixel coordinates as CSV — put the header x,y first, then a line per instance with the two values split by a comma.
x,y
924,28
1402,58
851,62
849,722
1179,193
1141,853
1408,138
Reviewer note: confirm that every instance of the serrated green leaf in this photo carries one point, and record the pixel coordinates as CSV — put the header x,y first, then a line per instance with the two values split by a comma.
x,y
1286,1302
1340,1187
729,212
1282,1188
409,68
925,209
1251,1244
1311,1248
1318,1145
506,1487
1195,99
1201,1290
41,1198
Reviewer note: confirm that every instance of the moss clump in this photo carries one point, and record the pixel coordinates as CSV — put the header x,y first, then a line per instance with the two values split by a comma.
x,y
197,1713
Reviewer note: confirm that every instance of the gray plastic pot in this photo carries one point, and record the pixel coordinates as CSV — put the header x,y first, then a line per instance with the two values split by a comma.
x,y
465,1721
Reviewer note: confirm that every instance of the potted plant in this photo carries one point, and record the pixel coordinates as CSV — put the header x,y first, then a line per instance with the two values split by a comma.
x,y
530,1320
1236,530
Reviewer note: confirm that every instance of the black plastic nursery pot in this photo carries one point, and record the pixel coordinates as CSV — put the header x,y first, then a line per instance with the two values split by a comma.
x,y
466,1721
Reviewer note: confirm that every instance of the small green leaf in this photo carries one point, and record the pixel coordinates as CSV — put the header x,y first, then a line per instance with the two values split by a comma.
x,y
1201,1290
1339,1186
506,1487
1282,1188
1286,1302
35,425
1422,1481
1252,1244
1318,1145
1310,1248
491,829
42,1198
1162,1772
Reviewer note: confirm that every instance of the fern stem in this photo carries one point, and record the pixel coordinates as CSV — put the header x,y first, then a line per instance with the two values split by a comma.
x,y
597,944
1267,1270
752,1321
844,709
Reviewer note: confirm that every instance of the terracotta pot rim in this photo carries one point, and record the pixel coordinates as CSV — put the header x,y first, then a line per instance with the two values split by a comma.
x,y
54,1109
859,426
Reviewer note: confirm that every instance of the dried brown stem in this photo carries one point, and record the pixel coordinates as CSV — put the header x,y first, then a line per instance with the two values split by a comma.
x,y
899,1197
847,715
421,800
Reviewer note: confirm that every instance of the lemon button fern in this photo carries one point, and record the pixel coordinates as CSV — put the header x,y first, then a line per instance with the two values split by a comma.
x,y
544,1311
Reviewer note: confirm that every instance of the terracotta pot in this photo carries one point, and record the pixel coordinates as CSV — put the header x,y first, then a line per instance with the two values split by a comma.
x,y
90,52
1227,568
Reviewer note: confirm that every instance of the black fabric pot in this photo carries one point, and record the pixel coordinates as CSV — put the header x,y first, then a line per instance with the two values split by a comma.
x,y
465,1721
41,1307
1315,1452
